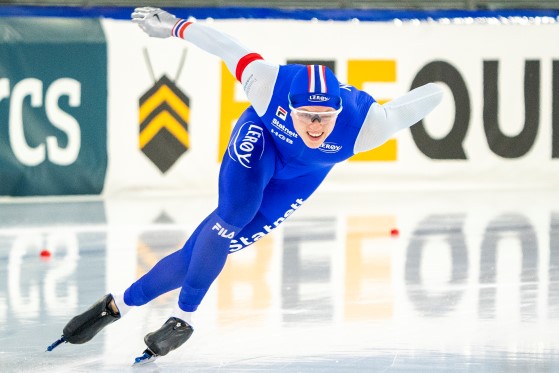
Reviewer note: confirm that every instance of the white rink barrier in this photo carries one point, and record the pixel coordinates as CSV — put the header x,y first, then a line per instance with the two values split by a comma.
x,y
170,106
498,124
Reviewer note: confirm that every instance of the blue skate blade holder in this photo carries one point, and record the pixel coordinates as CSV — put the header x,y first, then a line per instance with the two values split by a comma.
x,y
56,343
147,357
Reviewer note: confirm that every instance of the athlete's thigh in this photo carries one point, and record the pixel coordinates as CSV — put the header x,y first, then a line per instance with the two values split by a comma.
x,y
246,168
281,199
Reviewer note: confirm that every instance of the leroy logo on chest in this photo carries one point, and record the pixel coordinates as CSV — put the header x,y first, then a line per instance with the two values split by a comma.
x,y
247,144
329,147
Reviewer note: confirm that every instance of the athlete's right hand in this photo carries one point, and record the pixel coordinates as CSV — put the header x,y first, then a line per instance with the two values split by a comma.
x,y
154,21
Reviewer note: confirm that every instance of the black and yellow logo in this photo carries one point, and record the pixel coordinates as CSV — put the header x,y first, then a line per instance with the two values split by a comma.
x,y
164,115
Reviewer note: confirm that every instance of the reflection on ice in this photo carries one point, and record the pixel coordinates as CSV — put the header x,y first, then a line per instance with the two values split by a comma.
x,y
471,283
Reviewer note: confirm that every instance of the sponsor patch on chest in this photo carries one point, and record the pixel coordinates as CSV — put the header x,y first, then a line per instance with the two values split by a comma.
x,y
247,145
330,147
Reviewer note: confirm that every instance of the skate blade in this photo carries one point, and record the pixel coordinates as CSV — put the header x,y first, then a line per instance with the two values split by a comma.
x,y
146,358
56,343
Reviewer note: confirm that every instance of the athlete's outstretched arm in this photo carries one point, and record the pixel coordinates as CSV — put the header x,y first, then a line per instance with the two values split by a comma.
x,y
383,121
256,75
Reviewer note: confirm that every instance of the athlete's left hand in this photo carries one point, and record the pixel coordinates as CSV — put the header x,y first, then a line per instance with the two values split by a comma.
x,y
154,21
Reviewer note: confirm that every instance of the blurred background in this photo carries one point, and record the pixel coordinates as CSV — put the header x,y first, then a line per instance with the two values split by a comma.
x,y
371,4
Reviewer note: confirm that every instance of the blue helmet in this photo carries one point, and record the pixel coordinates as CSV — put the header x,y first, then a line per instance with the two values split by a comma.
x,y
315,85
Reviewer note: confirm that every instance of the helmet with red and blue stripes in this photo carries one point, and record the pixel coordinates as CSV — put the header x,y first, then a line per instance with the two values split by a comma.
x,y
315,85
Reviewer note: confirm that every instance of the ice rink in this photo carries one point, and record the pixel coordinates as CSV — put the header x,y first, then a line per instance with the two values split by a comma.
x,y
470,284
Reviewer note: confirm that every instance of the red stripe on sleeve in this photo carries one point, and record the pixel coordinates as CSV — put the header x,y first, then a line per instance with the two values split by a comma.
x,y
183,27
244,62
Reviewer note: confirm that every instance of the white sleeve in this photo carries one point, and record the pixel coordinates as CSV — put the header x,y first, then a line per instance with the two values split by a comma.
x,y
215,42
383,121
258,80
257,76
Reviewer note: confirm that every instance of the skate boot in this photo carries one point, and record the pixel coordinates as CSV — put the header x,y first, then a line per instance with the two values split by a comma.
x,y
169,337
85,326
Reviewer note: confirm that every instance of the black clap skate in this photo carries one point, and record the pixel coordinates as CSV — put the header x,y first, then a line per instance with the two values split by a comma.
x,y
169,337
84,327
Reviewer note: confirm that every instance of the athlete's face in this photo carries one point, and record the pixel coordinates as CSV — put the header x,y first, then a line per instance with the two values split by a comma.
x,y
314,123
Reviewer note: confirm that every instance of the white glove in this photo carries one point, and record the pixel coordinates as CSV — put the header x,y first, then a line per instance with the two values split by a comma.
x,y
154,21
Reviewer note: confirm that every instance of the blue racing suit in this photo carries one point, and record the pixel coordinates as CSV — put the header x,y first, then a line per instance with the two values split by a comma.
x,y
268,172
